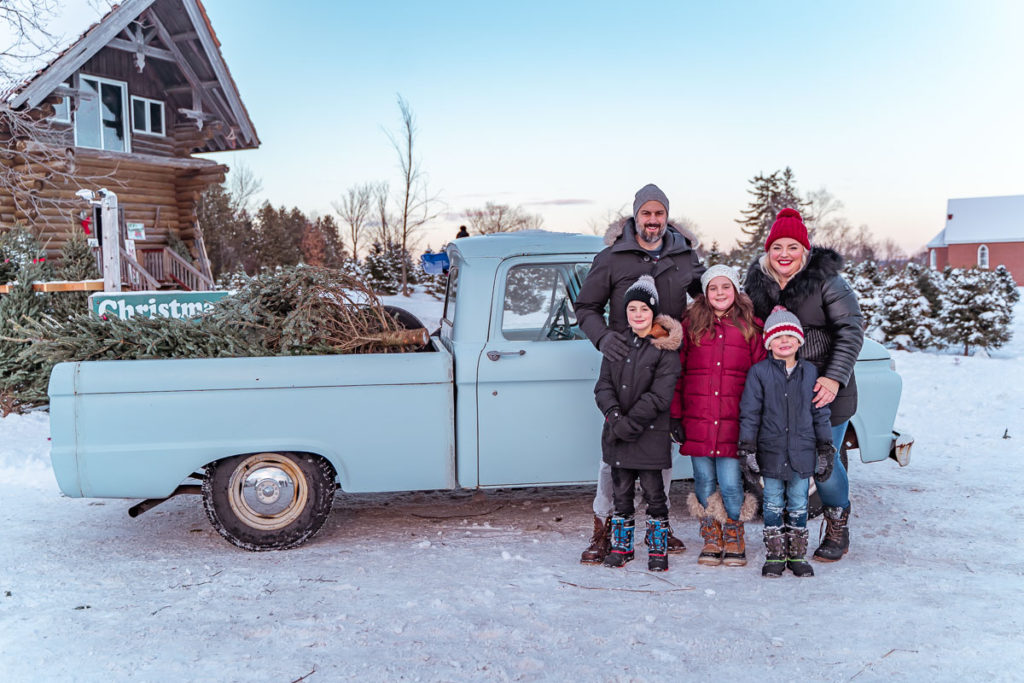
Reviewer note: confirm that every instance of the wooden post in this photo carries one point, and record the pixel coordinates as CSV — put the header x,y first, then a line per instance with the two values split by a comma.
x,y
111,242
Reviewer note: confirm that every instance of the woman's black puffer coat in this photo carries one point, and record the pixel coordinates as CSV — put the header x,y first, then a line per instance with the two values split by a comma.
x,y
827,308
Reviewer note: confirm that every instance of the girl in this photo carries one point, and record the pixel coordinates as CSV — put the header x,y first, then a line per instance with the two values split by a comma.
x,y
721,341
634,394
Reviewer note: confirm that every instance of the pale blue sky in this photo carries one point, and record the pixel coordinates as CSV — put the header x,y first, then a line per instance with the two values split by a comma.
x,y
893,106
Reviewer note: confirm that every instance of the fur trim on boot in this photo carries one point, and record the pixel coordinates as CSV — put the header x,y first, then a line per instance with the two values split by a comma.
x,y
710,531
600,542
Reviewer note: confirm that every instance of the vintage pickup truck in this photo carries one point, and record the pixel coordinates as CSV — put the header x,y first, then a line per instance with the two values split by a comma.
x,y
502,396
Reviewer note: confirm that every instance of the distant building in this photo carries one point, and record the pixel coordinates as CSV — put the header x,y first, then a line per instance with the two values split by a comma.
x,y
982,232
129,101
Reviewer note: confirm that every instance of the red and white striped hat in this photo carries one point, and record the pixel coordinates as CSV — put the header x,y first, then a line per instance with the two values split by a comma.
x,y
781,322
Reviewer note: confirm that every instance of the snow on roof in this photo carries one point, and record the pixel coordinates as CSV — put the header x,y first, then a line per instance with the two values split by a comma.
x,y
982,219
23,57
937,241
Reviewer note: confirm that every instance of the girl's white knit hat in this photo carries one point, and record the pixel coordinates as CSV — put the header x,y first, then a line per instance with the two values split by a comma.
x,y
719,270
781,322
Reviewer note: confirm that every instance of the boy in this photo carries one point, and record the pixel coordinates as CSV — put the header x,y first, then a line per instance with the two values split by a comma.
x,y
634,394
785,438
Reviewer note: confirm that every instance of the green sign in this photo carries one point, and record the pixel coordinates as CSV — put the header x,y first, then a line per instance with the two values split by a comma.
x,y
162,304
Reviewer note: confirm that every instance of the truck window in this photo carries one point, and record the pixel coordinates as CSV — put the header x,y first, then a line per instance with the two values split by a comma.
x,y
448,316
537,305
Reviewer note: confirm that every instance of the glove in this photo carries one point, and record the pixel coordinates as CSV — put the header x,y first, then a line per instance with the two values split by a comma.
x,y
676,430
826,460
623,428
748,460
613,346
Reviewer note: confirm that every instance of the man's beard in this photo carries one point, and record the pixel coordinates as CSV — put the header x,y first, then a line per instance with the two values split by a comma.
x,y
644,234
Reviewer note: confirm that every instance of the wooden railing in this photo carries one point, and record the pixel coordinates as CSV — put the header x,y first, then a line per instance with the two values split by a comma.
x,y
159,267
136,277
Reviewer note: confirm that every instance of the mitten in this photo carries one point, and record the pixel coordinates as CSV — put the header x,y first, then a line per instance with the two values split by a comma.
x,y
613,346
826,460
748,460
626,429
675,428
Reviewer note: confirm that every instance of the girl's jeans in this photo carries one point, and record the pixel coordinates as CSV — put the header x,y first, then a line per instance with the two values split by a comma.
x,y
786,496
835,492
723,473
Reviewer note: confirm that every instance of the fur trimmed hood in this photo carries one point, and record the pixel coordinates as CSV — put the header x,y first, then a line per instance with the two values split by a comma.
x,y
823,264
666,334
618,229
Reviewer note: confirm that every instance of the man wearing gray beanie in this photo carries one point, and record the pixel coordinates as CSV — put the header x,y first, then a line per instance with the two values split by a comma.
x,y
644,244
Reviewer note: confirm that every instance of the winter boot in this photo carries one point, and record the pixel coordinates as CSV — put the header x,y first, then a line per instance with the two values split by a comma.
x,y
795,560
622,542
775,552
600,542
675,545
837,536
735,545
657,545
710,531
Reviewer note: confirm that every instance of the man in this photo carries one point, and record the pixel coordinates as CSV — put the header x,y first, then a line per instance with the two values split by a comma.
x,y
646,244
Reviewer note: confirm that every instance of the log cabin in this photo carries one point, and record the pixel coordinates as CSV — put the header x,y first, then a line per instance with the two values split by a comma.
x,y
125,106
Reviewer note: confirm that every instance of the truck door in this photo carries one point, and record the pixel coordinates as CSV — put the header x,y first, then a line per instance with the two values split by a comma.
x,y
536,417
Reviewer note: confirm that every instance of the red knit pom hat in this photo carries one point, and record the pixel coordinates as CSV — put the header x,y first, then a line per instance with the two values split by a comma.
x,y
788,224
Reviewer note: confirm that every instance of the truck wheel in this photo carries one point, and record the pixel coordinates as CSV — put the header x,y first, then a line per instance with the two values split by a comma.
x,y
269,501
814,505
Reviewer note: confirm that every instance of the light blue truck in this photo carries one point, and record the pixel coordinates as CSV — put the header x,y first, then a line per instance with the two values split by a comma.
x,y
501,396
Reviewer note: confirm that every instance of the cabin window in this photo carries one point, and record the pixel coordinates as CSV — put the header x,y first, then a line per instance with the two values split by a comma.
x,y
933,255
101,120
147,116
983,257
62,110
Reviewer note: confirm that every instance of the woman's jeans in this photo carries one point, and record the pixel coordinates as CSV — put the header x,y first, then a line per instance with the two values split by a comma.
x,y
789,497
835,492
724,473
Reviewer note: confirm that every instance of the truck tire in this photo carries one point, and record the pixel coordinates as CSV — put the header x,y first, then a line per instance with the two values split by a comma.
x,y
269,501
814,505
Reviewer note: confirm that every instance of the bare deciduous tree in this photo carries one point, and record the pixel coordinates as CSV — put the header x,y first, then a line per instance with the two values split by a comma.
x,y
415,203
494,218
243,186
354,209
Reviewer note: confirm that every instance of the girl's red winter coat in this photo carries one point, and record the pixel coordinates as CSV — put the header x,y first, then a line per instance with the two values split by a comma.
x,y
707,396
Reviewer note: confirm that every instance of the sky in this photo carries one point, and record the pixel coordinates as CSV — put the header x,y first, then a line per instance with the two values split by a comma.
x,y
568,108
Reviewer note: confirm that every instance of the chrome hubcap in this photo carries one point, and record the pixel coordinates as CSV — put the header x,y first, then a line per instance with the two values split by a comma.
x,y
268,491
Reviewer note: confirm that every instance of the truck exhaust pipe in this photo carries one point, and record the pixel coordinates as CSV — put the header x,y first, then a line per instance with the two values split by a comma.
x,y
150,503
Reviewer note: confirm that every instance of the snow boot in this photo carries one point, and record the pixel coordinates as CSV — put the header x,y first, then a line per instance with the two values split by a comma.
x,y
795,560
675,545
600,542
657,545
735,544
775,552
837,536
622,542
710,531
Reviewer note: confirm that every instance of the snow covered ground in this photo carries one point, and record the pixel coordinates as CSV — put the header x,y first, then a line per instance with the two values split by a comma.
x,y
464,586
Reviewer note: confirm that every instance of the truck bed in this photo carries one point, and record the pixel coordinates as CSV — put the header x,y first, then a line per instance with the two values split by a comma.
x,y
137,429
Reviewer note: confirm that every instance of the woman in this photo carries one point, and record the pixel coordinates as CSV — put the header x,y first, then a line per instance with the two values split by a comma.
x,y
806,281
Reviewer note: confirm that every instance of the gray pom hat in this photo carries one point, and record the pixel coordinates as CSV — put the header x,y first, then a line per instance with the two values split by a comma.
x,y
719,270
781,322
643,290
647,193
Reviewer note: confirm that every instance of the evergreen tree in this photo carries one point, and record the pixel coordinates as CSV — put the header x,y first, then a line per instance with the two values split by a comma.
x,y
313,245
974,310
383,269
714,256
280,234
77,262
20,383
230,234
908,317
867,282
770,194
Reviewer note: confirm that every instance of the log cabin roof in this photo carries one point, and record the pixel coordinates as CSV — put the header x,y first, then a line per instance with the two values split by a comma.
x,y
177,38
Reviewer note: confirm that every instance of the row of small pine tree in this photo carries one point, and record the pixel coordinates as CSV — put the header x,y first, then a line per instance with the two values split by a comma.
x,y
917,307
